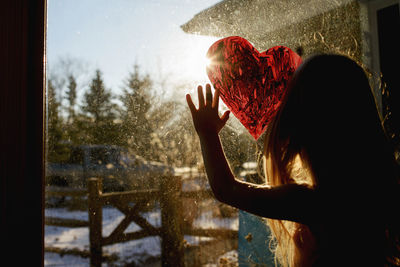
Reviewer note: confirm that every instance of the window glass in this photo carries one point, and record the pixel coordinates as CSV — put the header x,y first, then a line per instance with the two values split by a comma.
x,y
118,72
76,156
99,156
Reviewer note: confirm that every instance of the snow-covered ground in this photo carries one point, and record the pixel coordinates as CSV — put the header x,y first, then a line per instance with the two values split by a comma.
x,y
140,251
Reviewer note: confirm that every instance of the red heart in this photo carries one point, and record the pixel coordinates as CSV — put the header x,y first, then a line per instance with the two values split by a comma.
x,y
251,83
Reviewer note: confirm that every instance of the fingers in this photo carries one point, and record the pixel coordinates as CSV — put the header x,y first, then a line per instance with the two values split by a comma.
x,y
209,100
201,96
206,115
190,104
215,103
209,97
225,117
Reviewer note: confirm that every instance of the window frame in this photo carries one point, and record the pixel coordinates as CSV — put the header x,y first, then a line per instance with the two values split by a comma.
x,y
22,135
373,8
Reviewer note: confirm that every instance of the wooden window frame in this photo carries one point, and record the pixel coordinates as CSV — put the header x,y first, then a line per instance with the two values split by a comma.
x,y
22,113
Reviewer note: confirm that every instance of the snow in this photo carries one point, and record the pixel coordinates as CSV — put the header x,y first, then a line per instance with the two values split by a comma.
x,y
137,251
54,259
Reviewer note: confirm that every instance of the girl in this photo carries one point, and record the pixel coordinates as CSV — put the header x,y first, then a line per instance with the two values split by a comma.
x,y
344,212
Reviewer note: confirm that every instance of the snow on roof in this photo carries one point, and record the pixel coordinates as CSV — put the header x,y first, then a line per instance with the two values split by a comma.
x,y
255,17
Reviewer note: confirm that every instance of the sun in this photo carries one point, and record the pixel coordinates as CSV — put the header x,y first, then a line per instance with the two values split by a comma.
x,y
186,58
199,61
193,61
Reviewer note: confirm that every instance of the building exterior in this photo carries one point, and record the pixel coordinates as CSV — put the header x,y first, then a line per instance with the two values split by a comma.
x,y
367,31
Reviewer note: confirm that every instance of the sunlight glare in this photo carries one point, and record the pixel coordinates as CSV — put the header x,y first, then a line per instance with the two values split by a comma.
x,y
207,62
189,57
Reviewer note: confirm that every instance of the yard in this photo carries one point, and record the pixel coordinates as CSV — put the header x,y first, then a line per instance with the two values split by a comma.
x,y
70,246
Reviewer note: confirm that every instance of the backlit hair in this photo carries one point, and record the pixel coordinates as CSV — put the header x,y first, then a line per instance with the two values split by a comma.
x,y
327,126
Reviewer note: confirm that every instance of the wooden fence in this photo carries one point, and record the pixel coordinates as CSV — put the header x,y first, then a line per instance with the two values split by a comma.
x,y
172,230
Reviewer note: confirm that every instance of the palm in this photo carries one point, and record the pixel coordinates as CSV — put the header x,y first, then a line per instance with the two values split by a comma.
x,y
206,119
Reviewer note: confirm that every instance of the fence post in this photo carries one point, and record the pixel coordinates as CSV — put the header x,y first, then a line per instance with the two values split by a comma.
x,y
172,250
95,222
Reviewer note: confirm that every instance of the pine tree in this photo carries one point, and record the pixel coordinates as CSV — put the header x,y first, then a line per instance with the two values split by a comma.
x,y
101,112
57,151
76,125
71,97
136,125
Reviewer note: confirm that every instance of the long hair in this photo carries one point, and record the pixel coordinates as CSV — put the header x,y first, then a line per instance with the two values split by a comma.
x,y
328,126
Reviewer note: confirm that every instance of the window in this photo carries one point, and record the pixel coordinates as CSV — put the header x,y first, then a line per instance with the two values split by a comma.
x,y
117,74
99,156
76,157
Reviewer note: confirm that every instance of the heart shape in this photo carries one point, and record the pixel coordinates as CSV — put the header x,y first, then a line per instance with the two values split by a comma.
x,y
251,84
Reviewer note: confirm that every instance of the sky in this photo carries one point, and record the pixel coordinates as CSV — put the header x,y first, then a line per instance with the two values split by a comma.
x,y
114,35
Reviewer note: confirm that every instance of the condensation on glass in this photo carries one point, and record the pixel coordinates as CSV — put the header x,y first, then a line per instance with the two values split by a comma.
x,y
125,182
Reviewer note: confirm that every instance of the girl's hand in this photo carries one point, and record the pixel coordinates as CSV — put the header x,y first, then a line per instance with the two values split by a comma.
x,y
206,119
